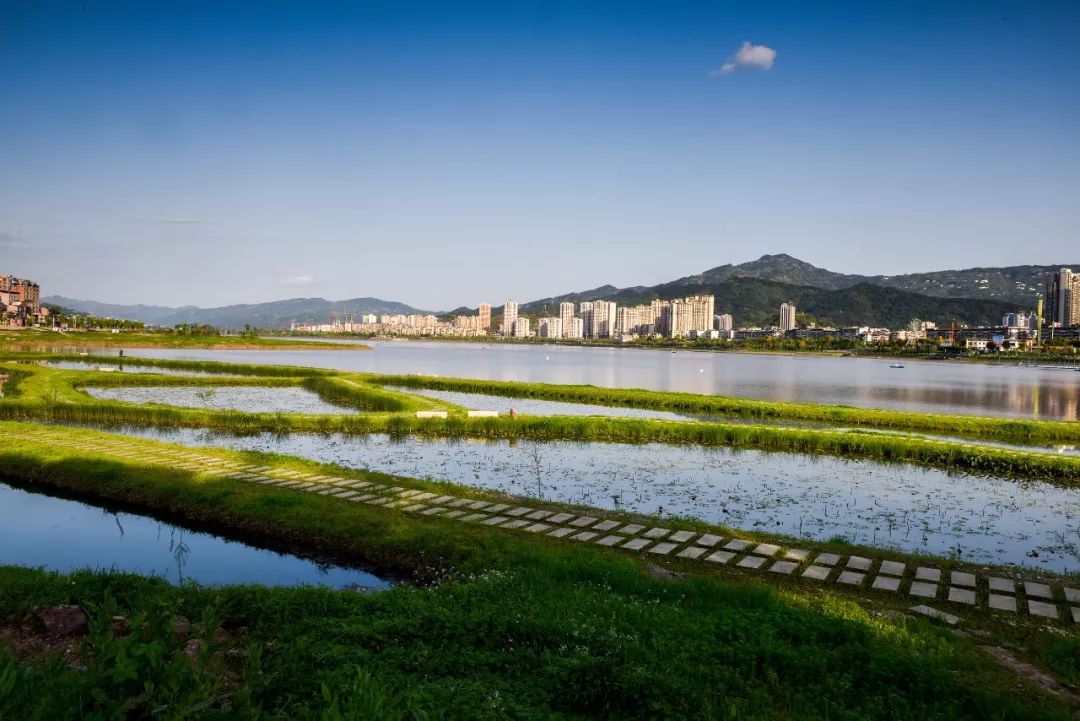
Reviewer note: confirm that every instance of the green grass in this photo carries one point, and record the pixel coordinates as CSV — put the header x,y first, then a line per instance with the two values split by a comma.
x,y
999,429
516,627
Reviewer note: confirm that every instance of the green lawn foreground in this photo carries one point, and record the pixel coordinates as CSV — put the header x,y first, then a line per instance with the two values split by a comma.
x,y
506,627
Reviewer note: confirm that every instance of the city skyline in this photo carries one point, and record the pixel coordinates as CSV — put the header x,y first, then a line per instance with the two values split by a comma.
x,y
278,154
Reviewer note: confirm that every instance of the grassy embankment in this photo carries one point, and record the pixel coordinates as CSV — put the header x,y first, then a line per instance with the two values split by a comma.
x,y
38,339
53,394
976,427
518,627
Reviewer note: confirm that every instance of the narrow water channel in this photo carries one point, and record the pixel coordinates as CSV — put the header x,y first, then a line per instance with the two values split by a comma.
x,y
58,534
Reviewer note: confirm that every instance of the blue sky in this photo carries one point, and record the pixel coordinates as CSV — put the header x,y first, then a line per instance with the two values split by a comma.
x,y
451,153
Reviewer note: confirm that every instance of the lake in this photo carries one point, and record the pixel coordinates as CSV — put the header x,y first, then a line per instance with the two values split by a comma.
x,y
933,386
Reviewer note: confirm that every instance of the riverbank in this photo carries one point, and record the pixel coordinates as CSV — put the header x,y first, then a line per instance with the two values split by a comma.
x,y
542,627
44,340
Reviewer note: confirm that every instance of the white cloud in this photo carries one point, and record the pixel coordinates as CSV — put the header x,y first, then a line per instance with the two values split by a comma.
x,y
300,280
748,56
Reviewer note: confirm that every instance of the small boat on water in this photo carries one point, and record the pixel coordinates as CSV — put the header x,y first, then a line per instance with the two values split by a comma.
x,y
896,365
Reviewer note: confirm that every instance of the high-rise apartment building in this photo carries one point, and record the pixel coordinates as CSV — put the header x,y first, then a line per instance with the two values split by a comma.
x,y
585,310
485,316
724,322
550,328
566,315
1063,298
787,316
576,329
521,327
604,314
510,316
691,315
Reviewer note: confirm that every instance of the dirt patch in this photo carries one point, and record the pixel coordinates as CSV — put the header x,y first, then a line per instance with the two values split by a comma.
x,y
1039,678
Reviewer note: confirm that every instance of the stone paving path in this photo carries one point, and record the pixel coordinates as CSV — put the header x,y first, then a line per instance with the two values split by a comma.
x,y
960,589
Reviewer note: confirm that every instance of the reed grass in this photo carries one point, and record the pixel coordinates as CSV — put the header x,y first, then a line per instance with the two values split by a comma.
x,y
1000,429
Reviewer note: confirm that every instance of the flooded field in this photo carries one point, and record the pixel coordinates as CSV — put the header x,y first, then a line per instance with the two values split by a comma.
x,y
40,530
128,368
532,407
251,399
989,520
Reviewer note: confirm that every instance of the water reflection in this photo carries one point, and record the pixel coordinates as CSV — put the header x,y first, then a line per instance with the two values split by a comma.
x,y
252,399
39,530
938,386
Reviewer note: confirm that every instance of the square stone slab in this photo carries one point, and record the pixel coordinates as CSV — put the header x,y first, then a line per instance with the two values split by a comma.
x,y
1072,595
475,517
886,583
538,528
432,511
584,521
632,528
585,536
859,563
636,544
515,524
797,554
936,614
560,532
497,508
751,562
784,567
560,518
817,573
416,508
922,589
737,545
1039,608
999,602
959,578
690,552
708,540
496,520
961,595
720,557
605,525
892,568
663,549
681,536
1076,614
657,532
766,549
455,514
1003,585
538,515
610,540
851,578
519,511
827,559
1038,590
923,573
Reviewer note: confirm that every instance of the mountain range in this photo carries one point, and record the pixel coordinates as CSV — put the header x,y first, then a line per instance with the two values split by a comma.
x,y
751,292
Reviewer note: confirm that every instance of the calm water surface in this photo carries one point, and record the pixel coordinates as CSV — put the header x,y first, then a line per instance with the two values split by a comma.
x,y
63,535
912,509
937,386
251,399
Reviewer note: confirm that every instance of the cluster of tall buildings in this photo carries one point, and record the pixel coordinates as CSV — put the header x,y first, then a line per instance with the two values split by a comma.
x,y
20,301
680,318
1062,303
